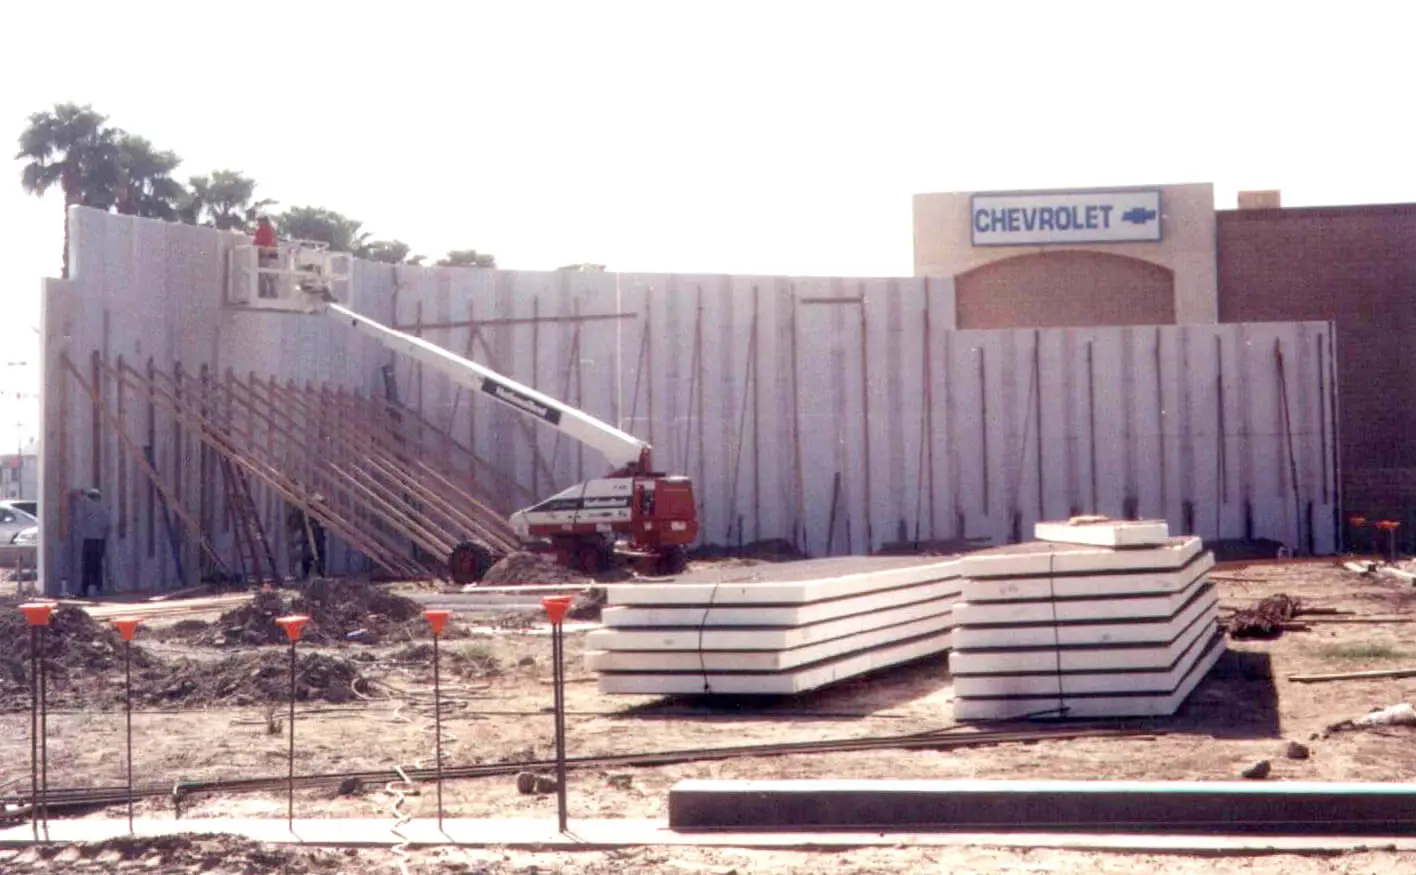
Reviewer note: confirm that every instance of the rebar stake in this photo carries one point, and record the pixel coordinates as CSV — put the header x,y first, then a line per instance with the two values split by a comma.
x,y
292,625
128,627
556,607
34,730
37,617
437,620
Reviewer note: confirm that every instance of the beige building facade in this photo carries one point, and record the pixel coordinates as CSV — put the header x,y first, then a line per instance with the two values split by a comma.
x,y
1080,257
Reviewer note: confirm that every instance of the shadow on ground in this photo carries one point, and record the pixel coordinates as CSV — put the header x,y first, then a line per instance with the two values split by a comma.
x,y
1237,699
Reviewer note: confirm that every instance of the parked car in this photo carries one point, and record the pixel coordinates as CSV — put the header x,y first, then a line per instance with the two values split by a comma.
x,y
19,534
13,518
28,505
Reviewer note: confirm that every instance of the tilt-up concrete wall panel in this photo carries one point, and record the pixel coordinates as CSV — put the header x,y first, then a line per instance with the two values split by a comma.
x,y
839,414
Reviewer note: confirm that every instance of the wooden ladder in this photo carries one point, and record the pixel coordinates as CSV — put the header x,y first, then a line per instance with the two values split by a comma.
x,y
250,535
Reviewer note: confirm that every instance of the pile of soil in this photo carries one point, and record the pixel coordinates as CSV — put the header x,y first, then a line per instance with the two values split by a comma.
x,y
84,665
530,569
249,678
76,646
339,610
251,623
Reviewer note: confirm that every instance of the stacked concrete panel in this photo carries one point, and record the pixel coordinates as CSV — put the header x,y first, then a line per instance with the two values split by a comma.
x,y
772,629
1084,630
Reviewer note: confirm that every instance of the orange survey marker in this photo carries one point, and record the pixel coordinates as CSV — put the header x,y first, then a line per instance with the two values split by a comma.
x,y
127,627
437,618
37,613
292,625
556,606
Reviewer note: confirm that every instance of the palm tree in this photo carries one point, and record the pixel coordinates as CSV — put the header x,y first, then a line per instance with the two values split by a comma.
x,y
339,232
223,200
71,147
468,258
145,186
388,252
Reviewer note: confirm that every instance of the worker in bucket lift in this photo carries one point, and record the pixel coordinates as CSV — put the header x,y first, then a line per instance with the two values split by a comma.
x,y
267,255
93,524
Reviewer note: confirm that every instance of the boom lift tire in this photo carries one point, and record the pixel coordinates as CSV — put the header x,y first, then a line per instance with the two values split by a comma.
x,y
468,562
593,557
672,560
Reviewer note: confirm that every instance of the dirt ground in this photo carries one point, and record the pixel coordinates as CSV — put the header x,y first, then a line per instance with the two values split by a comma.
x,y
497,697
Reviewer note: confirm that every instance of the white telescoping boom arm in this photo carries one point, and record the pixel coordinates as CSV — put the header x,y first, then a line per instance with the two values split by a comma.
x,y
621,449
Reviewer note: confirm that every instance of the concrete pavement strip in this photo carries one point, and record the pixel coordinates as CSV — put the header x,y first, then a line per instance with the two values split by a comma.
x,y
609,834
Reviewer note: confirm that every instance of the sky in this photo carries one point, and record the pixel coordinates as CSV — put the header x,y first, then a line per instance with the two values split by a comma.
x,y
727,137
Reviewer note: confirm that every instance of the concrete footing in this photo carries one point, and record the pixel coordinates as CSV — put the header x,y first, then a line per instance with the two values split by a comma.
x,y
1047,806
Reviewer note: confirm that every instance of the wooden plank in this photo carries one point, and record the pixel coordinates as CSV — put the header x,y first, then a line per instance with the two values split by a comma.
x,y
1353,675
107,416
279,483
396,465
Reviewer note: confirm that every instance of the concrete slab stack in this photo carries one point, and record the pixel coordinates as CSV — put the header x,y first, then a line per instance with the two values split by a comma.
x,y
772,629
1084,629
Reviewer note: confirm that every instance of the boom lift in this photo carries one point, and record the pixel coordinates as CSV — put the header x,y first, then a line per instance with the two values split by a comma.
x,y
647,514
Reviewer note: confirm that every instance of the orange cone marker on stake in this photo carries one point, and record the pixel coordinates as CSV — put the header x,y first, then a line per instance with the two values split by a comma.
x,y
128,628
556,607
437,621
37,617
293,626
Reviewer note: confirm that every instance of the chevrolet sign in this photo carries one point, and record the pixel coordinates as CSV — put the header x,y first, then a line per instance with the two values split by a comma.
x,y
1051,218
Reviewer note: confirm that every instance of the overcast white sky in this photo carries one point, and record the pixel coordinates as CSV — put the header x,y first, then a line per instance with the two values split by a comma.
x,y
740,137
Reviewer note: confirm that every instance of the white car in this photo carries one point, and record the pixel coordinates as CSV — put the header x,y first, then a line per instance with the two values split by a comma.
x,y
19,535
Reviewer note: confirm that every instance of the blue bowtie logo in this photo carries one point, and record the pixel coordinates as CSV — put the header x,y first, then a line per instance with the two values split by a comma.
x,y
1138,215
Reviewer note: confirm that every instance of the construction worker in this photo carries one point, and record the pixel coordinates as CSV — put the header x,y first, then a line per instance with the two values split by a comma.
x,y
267,255
92,523
307,532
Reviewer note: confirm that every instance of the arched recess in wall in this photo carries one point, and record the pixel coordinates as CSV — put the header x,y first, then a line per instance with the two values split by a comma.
x,y
1065,288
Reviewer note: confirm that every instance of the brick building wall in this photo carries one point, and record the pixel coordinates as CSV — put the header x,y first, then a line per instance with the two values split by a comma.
x,y
1065,288
1355,266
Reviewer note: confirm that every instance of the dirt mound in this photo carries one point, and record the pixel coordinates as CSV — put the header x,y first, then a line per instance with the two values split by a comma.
x,y
84,665
339,610
75,646
530,569
248,678
251,623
